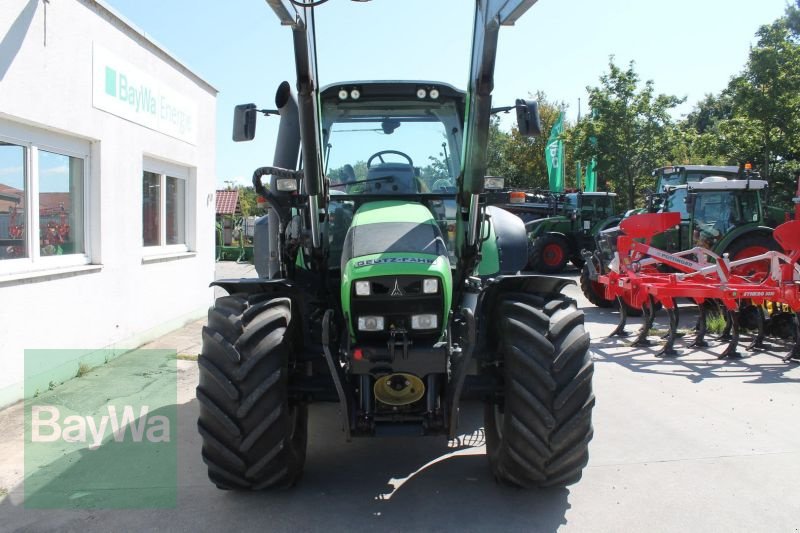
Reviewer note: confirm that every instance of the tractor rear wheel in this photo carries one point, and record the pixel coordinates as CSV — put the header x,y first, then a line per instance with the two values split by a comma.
x,y
749,246
538,433
549,254
253,437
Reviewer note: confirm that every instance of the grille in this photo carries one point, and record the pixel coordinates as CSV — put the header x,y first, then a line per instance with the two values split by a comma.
x,y
408,300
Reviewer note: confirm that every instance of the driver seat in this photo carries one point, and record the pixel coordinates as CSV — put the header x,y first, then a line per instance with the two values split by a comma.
x,y
403,182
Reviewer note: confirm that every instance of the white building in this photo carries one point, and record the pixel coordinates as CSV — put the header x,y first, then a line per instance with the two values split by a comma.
x,y
107,178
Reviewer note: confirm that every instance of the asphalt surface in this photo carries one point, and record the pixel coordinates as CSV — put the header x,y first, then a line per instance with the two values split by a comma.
x,y
691,443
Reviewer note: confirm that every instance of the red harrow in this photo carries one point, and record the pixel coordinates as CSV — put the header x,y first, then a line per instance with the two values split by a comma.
x,y
644,276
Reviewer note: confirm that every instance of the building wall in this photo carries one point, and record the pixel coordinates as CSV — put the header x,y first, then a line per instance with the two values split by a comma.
x,y
124,297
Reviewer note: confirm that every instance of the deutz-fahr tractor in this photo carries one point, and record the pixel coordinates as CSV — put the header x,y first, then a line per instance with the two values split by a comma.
x,y
553,241
362,299
724,216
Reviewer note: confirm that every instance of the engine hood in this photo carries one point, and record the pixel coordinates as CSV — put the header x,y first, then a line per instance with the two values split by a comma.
x,y
391,228
394,239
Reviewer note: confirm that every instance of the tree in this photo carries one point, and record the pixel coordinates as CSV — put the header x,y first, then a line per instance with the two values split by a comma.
x,y
755,119
520,160
248,200
629,132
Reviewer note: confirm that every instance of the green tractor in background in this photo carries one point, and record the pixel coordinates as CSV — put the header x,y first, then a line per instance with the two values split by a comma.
x,y
726,216
394,299
555,240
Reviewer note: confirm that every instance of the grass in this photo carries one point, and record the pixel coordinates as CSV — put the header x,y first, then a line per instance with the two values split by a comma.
x,y
715,323
83,369
3,493
186,357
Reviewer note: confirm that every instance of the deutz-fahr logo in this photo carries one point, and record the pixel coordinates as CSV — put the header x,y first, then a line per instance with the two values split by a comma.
x,y
397,291
386,260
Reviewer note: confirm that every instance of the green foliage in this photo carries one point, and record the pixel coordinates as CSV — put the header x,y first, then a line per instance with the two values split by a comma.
x,y
630,132
520,160
715,323
755,118
248,201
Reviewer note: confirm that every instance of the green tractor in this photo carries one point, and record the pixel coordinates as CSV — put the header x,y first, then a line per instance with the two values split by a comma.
x,y
366,299
553,241
722,215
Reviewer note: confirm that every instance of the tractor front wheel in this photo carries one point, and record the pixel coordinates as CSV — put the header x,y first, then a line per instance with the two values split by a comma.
x,y
253,437
549,254
538,432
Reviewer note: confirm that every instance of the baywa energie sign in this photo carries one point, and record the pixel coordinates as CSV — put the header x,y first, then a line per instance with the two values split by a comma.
x,y
124,90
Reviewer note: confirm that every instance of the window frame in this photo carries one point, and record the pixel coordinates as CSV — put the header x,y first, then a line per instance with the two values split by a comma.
x,y
33,139
166,169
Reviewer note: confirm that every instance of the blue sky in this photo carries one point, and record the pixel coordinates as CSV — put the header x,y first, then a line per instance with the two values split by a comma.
x,y
687,47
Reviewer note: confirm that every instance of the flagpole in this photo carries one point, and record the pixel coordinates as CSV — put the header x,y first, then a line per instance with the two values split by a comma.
x,y
577,162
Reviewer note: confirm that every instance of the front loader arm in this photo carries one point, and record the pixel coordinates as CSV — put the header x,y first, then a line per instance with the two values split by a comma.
x,y
301,20
489,16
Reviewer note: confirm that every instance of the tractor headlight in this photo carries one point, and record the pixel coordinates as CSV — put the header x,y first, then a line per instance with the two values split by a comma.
x,y
430,286
423,322
370,323
363,288
286,184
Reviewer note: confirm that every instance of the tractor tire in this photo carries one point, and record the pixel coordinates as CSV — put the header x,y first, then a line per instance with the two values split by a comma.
x,y
577,262
748,246
253,438
549,254
593,292
538,434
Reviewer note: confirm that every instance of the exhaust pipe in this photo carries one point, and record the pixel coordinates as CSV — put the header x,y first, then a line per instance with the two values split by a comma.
x,y
287,151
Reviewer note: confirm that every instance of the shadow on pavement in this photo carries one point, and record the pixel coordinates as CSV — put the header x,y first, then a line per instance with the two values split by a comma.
x,y
395,484
695,364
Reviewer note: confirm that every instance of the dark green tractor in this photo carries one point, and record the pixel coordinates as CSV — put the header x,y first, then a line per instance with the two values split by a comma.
x,y
721,215
394,296
553,241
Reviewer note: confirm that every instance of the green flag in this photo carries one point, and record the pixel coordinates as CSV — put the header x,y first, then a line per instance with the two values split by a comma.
x,y
554,155
591,176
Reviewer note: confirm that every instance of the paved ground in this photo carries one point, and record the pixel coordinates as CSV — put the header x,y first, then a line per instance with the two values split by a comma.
x,y
688,444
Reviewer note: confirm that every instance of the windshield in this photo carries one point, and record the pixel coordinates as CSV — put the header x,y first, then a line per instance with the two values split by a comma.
x,y
392,147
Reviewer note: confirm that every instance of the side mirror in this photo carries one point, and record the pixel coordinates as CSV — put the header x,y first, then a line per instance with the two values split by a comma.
x,y
244,122
528,122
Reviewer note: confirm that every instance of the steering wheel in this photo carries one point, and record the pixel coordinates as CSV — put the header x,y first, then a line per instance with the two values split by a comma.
x,y
380,155
442,184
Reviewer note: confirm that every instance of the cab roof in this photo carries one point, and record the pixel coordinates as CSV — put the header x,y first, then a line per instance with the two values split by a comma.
x,y
722,184
402,89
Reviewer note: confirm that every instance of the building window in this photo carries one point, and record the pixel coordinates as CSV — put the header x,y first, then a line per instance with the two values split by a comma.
x,y
164,213
13,204
43,186
60,204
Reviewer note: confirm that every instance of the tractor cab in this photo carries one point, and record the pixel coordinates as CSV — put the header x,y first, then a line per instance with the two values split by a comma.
x,y
722,209
592,207
673,176
384,143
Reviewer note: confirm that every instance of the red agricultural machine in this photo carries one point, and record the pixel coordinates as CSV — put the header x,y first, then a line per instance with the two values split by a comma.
x,y
760,289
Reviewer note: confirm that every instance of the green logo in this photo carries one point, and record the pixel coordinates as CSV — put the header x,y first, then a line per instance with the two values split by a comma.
x,y
106,439
111,81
